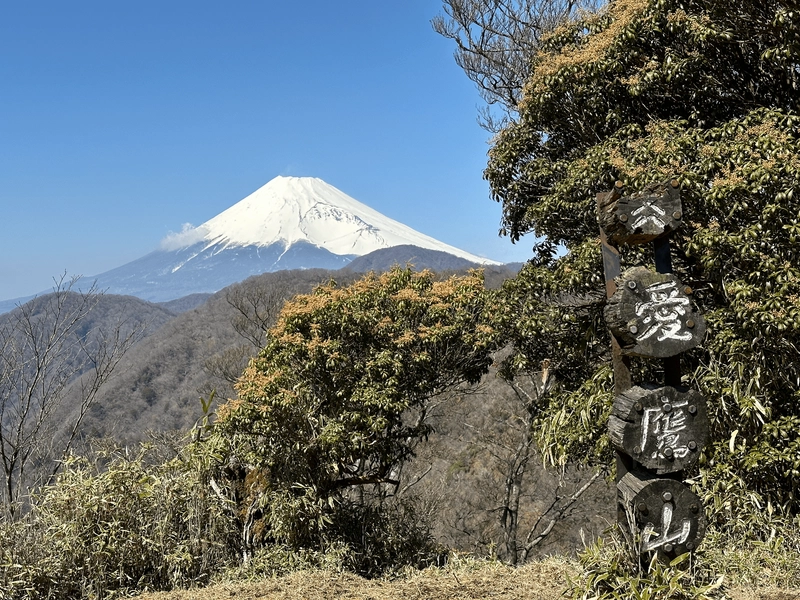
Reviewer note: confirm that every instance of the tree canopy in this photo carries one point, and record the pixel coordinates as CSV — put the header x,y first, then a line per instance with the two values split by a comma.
x,y
702,91
337,398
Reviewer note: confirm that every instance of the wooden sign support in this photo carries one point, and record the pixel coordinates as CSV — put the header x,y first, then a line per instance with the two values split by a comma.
x,y
657,429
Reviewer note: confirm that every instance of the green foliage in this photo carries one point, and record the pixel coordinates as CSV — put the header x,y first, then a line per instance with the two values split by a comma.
x,y
338,398
702,91
275,560
637,65
552,315
551,310
772,561
117,524
610,573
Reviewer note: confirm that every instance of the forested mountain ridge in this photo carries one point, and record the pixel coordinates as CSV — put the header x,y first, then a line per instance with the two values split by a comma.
x,y
159,383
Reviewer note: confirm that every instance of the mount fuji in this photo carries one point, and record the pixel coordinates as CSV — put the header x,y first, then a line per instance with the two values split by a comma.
x,y
289,223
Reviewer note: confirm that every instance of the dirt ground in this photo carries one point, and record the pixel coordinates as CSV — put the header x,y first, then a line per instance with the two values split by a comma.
x,y
547,580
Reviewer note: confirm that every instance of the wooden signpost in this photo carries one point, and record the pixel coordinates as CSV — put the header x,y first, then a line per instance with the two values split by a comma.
x,y
657,429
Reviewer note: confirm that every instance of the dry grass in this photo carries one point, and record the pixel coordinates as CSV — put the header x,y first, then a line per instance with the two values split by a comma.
x,y
544,580
764,594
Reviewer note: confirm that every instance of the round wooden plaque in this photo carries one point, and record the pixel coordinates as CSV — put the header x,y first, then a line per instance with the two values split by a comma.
x,y
667,514
664,429
641,217
652,315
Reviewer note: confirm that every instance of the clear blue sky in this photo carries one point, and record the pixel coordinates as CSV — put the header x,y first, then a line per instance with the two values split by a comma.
x,y
120,122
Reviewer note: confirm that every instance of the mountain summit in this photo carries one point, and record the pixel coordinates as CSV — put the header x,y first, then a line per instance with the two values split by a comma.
x,y
290,223
292,210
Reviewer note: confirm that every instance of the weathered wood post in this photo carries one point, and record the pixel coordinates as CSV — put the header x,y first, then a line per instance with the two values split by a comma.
x,y
657,429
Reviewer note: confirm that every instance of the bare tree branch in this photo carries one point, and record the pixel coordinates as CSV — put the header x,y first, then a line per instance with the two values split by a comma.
x,y
533,540
257,308
46,344
496,41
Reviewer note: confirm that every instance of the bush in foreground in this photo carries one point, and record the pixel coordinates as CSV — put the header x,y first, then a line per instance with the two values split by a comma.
x,y
335,404
610,570
115,524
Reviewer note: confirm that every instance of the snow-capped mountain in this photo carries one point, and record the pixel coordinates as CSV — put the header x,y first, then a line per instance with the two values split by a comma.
x,y
289,223
292,210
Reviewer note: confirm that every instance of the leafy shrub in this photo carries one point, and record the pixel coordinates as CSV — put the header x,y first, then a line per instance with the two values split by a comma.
x,y
115,524
384,537
610,571
336,403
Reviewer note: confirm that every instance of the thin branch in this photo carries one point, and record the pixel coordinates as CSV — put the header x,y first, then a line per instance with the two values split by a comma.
x,y
532,541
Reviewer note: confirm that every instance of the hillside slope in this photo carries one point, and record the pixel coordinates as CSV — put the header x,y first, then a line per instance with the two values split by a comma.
x,y
158,385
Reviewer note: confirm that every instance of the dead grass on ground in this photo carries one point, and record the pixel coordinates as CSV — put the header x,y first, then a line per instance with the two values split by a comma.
x,y
544,580
764,594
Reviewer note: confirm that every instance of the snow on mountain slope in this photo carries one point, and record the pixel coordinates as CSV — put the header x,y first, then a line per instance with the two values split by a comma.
x,y
290,223
289,210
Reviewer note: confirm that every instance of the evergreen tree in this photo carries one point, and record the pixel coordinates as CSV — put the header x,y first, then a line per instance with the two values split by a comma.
x,y
706,92
337,400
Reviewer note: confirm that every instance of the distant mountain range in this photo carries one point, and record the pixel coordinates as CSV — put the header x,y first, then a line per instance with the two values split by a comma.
x,y
289,223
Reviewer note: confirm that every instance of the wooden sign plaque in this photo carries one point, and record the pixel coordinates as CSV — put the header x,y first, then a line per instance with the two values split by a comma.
x,y
668,516
652,315
664,429
642,217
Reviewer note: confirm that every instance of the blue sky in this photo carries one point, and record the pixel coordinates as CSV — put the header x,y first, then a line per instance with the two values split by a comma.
x,y
120,122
